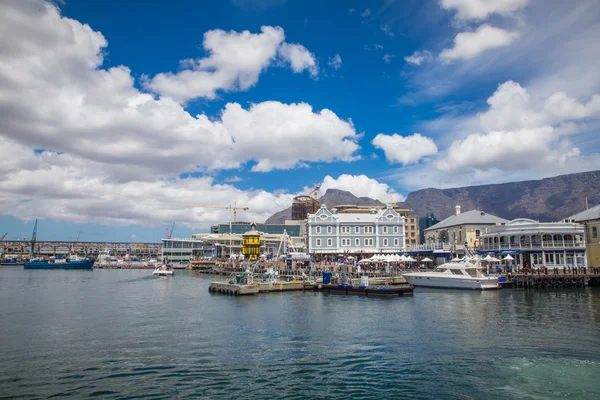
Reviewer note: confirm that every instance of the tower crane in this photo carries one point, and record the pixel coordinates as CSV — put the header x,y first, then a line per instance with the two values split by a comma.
x,y
3,236
233,207
314,192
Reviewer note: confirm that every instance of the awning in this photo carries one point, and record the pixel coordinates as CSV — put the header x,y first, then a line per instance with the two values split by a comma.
x,y
511,252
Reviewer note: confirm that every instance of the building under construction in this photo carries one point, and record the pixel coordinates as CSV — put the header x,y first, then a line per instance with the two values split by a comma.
x,y
302,206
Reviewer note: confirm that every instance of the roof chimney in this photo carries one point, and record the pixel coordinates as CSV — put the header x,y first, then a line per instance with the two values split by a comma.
x,y
457,209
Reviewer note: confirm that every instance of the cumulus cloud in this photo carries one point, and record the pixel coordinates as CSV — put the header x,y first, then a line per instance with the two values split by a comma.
x,y
517,136
335,62
112,153
481,9
418,57
468,45
366,13
299,58
362,186
61,99
235,61
405,149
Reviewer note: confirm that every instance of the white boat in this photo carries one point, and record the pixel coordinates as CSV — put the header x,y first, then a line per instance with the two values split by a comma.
x,y
454,275
163,270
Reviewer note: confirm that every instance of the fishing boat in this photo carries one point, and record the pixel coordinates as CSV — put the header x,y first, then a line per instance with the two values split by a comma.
x,y
163,270
463,274
73,262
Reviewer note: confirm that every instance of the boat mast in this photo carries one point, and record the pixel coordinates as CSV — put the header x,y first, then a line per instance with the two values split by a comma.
x,y
33,240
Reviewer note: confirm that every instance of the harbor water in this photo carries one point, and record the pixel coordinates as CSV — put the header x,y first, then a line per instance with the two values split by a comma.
x,y
116,334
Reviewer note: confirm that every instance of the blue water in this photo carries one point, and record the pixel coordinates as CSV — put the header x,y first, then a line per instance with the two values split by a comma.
x,y
117,334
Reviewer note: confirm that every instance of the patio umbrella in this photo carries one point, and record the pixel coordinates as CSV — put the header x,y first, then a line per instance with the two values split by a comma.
x,y
402,258
410,259
491,259
426,259
508,257
396,258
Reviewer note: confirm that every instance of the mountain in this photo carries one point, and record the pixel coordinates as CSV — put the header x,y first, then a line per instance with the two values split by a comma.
x,y
549,199
331,198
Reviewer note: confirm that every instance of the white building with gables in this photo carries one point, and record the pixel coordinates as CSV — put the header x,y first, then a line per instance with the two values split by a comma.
x,y
380,231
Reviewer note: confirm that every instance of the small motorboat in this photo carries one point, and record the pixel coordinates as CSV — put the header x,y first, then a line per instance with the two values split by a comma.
x,y
163,270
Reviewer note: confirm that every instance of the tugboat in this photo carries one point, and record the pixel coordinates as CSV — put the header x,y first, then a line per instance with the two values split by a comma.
x,y
163,270
73,262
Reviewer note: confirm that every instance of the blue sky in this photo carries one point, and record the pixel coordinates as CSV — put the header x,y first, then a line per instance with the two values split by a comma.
x,y
117,115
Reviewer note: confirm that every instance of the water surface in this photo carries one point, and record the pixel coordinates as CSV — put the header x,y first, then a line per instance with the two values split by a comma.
x,y
120,334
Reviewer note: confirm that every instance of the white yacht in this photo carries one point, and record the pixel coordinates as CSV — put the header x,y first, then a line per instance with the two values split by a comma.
x,y
163,270
453,275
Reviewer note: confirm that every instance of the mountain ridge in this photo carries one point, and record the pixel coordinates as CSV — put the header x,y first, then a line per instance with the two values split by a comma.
x,y
547,199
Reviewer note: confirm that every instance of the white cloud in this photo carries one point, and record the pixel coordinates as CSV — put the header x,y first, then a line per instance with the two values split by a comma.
x,y
73,189
378,47
481,9
235,61
405,149
518,137
366,13
387,30
362,186
54,95
133,236
418,57
335,62
351,10
388,57
300,58
468,45
233,179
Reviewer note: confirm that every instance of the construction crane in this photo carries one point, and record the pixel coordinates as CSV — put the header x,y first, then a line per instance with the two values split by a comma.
x,y
33,239
170,235
3,236
233,207
314,192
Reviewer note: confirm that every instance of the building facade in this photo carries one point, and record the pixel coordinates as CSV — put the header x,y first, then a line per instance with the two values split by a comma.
x,y
412,230
379,231
533,243
238,228
462,228
590,219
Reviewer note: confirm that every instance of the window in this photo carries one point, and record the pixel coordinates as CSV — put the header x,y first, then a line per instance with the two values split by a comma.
x,y
396,242
318,230
594,232
412,234
357,242
477,233
318,243
357,229
460,235
368,229
329,229
395,229
385,242
385,229
346,242
369,242
329,243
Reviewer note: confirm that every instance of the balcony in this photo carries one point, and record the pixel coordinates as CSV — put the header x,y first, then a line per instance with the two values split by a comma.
x,y
546,244
431,246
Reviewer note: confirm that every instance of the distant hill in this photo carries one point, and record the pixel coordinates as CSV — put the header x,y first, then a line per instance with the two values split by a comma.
x,y
331,198
549,199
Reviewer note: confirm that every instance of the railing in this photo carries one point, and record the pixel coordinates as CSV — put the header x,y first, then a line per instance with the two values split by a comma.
x,y
431,246
533,245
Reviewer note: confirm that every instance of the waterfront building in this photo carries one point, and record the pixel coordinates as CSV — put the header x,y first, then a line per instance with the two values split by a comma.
x,y
218,245
251,243
411,227
291,227
425,222
590,219
378,231
462,228
549,244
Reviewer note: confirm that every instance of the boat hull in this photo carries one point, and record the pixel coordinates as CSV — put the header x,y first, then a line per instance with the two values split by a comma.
x,y
83,264
423,280
163,273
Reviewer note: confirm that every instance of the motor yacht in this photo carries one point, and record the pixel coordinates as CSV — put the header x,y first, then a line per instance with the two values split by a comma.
x,y
163,270
462,274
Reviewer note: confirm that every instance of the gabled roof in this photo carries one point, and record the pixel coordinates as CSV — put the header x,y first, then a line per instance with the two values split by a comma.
x,y
473,217
586,215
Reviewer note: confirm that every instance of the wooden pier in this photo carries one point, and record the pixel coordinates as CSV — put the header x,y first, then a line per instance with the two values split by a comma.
x,y
557,278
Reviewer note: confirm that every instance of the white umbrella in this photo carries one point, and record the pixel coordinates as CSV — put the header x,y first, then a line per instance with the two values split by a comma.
x,y
388,258
508,257
410,259
396,258
402,257
426,259
491,259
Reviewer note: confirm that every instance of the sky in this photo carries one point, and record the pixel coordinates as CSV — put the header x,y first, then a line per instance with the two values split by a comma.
x,y
119,119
